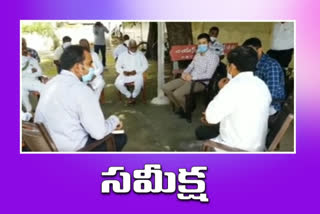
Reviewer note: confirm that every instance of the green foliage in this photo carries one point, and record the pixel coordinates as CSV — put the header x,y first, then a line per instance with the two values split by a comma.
x,y
42,28
129,24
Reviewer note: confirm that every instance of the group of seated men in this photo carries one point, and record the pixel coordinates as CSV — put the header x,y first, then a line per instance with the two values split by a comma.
x,y
249,97
237,116
68,96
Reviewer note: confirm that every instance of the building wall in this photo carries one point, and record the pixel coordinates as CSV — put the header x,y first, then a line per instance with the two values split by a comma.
x,y
237,31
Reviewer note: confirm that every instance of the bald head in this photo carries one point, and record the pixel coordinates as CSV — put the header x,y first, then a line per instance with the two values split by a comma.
x,y
132,46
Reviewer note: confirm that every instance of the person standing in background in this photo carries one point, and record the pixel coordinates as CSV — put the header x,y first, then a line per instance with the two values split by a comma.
x,y
214,45
100,41
282,43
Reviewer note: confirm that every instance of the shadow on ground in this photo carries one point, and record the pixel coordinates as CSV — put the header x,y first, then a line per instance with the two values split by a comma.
x,y
150,127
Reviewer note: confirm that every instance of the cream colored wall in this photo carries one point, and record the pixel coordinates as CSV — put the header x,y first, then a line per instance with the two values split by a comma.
x,y
237,31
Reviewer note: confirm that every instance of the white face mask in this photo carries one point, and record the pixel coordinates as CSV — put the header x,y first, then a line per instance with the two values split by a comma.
x,y
212,38
67,44
229,76
127,43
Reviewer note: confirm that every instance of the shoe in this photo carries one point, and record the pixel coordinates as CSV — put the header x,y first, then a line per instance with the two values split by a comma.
x,y
131,101
179,112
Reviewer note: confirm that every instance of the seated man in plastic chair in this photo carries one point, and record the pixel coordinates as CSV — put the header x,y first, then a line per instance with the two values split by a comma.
x,y
131,65
31,71
69,109
203,66
241,106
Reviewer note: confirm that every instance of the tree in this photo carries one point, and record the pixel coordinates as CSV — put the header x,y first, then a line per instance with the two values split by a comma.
x,y
179,33
152,45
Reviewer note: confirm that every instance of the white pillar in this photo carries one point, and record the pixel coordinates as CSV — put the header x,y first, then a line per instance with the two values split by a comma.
x,y
161,99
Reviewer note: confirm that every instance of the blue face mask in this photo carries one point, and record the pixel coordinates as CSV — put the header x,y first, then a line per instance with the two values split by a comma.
x,y
88,77
202,48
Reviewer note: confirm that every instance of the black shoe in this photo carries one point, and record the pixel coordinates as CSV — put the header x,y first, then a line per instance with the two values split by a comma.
x,y
179,111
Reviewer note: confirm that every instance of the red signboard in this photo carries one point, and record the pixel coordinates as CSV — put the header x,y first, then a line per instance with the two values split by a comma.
x,y
182,52
228,47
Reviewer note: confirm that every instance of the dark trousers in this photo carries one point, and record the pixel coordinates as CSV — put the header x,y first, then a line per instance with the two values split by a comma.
x,y
101,48
207,132
120,140
283,56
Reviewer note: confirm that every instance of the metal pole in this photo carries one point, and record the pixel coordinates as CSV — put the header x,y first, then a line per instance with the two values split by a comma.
x,y
161,99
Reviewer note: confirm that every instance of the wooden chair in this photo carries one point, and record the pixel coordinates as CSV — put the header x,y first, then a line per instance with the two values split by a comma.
x,y
37,138
274,135
130,87
102,98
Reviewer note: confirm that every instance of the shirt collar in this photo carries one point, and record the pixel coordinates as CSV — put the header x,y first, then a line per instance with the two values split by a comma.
x,y
68,73
263,59
244,74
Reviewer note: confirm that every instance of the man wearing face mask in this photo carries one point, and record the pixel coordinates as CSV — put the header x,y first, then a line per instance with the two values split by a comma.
x,y
130,66
66,42
69,109
202,66
241,106
215,45
121,48
95,75
270,71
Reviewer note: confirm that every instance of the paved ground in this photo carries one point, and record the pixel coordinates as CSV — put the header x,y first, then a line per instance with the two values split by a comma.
x,y
150,127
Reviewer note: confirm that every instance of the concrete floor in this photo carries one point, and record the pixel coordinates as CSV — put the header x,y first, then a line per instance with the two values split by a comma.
x,y
156,128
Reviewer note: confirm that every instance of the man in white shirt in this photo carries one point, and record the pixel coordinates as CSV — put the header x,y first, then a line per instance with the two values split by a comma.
x,y
69,109
282,43
97,83
31,71
131,65
241,106
215,45
31,52
121,48
203,66
66,42
100,41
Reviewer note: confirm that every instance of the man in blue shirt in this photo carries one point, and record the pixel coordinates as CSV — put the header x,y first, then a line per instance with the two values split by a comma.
x,y
270,71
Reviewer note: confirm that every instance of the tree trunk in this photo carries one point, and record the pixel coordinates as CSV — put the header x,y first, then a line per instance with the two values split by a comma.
x,y
152,46
180,33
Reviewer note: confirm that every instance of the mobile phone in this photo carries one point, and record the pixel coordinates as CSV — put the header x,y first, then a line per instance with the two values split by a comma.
x,y
118,132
